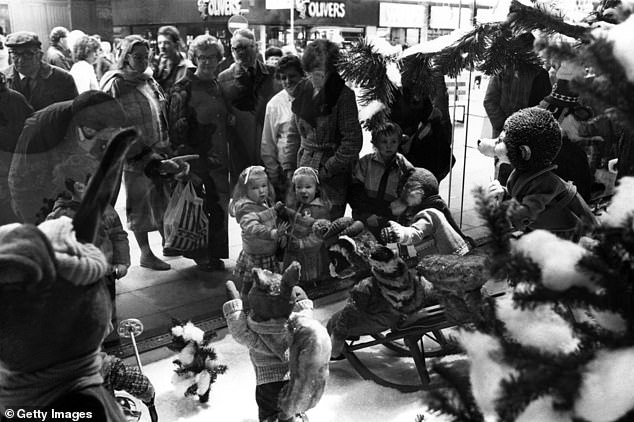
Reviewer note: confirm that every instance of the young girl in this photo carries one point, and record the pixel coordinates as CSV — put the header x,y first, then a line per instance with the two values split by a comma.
x,y
310,203
252,206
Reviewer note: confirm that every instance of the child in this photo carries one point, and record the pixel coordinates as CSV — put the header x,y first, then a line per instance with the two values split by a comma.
x,y
424,222
111,238
310,203
378,178
252,206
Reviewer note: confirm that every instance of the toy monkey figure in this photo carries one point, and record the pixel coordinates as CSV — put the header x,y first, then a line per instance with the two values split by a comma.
x,y
288,349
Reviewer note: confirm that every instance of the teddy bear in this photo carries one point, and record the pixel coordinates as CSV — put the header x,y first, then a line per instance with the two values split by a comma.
x,y
530,140
196,366
289,350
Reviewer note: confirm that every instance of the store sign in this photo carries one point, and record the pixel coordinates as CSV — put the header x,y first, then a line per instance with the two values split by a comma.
x,y
401,15
314,9
219,7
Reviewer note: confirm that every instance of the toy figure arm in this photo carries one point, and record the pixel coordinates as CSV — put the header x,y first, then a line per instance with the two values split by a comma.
x,y
237,324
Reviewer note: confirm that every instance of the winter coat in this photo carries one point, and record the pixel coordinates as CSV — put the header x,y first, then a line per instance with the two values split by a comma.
x,y
247,95
257,223
267,341
375,186
59,57
513,91
51,85
545,201
304,246
331,142
14,109
276,154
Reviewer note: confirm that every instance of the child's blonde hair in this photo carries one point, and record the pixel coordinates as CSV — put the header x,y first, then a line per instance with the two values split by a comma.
x,y
320,192
240,191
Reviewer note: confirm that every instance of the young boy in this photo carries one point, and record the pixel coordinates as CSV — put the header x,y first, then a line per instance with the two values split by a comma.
x,y
111,238
378,178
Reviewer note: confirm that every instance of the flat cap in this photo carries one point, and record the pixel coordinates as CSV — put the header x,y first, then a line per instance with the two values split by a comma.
x,y
23,39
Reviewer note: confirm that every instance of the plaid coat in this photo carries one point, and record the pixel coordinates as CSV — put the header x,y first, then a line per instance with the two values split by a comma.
x,y
331,147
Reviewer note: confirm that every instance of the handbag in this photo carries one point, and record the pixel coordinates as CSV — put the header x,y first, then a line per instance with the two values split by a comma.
x,y
185,221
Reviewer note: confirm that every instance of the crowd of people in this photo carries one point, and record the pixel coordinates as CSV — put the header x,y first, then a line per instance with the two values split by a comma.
x,y
272,141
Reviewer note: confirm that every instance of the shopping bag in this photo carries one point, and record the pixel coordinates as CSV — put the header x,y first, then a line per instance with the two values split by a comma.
x,y
185,221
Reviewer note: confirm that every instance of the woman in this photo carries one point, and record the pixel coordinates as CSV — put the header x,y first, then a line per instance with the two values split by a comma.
x,y
326,130
198,125
85,53
145,105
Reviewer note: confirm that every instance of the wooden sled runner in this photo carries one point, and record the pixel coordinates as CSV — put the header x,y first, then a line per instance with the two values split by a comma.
x,y
407,340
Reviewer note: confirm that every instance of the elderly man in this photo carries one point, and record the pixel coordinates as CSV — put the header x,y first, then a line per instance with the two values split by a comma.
x,y
39,82
248,85
58,54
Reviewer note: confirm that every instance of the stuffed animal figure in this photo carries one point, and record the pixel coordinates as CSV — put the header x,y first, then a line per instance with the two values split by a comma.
x,y
394,294
288,349
196,367
53,275
349,244
542,200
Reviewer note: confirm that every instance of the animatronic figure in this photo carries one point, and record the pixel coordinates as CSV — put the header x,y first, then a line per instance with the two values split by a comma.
x,y
53,275
424,225
196,360
393,294
530,141
288,349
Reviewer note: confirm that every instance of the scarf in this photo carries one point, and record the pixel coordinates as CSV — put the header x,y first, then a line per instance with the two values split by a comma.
x,y
39,389
309,107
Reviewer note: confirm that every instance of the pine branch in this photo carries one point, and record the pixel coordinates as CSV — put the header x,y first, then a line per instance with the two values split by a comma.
x,y
494,215
417,72
527,18
367,68
467,52
457,402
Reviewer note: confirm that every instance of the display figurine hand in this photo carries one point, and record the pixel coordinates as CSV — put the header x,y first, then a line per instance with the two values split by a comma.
x,y
231,291
373,220
496,190
119,270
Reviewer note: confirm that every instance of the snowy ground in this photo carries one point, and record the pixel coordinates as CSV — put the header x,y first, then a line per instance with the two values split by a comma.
x,y
347,398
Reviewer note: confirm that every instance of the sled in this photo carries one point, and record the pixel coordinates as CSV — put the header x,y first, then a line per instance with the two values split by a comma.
x,y
407,340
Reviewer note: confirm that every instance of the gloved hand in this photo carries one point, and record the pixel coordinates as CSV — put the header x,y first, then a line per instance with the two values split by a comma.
x,y
394,233
231,290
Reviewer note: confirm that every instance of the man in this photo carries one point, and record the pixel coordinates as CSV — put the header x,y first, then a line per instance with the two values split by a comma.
x,y
14,110
39,82
58,54
170,65
248,85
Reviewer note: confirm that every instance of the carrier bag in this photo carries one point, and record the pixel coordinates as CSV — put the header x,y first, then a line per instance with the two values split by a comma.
x,y
185,221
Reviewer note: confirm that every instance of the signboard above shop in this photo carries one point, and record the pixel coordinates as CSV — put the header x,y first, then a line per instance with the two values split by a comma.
x,y
317,12
219,7
402,15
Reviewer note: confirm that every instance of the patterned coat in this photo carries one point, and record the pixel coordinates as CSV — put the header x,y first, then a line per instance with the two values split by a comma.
x,y
332,146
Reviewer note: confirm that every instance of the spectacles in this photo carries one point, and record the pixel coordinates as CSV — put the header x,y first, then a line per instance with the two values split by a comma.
x,y
208,58
22,54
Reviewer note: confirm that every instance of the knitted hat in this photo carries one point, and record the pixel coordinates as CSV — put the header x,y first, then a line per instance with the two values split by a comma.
x,y
26,256
532,137
421,179
98,110
561,95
